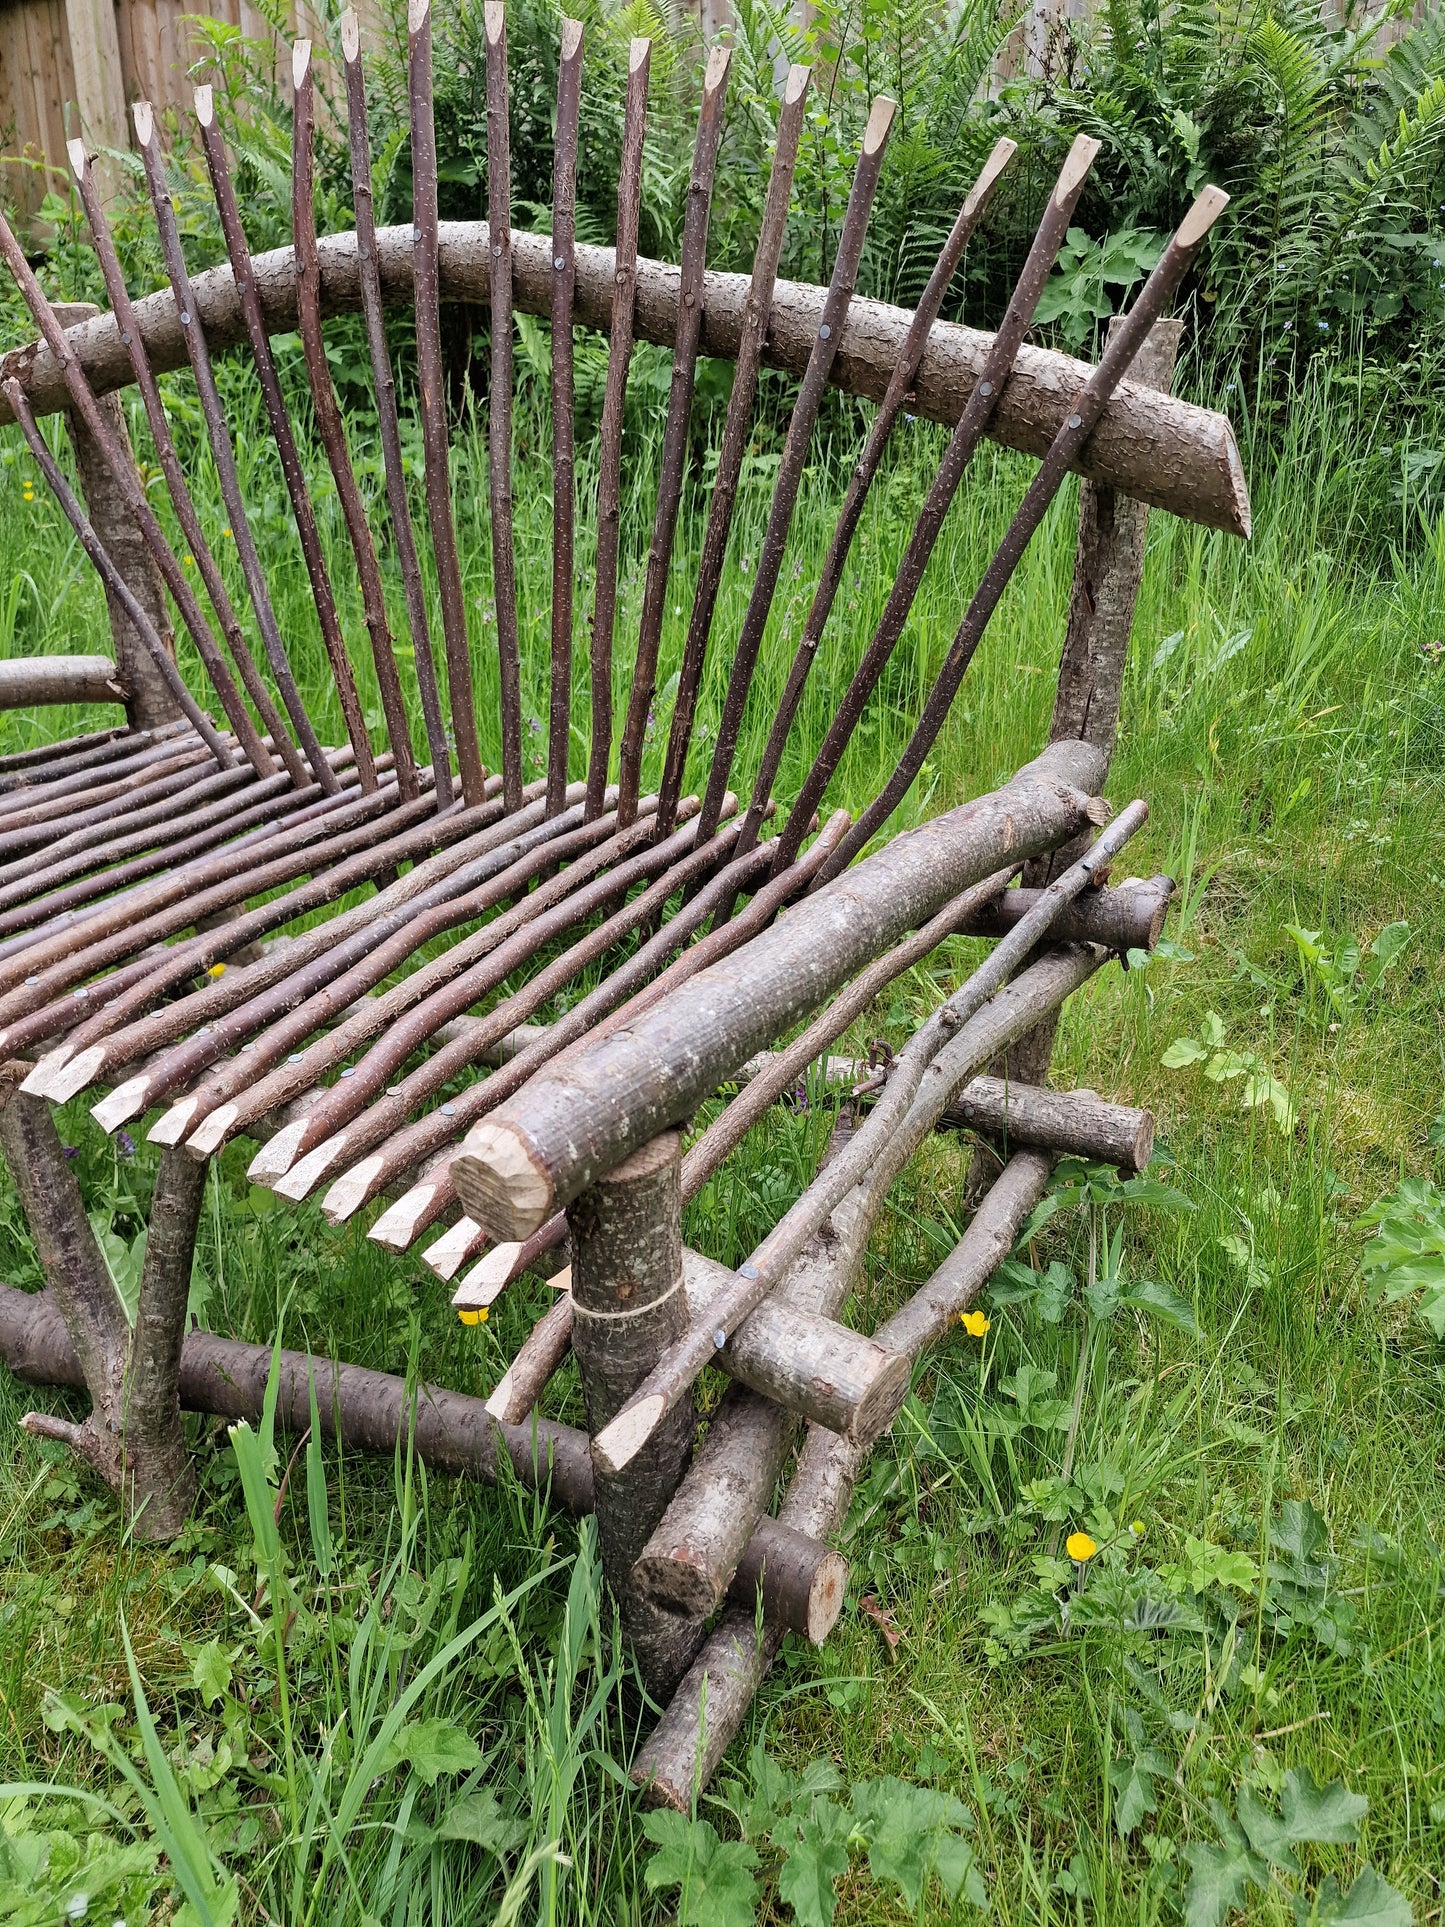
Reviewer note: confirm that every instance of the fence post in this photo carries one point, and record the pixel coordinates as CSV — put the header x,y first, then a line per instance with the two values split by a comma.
x,y
148,702
628,1307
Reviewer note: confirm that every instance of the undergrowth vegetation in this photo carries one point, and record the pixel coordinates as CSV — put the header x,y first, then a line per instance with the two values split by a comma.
x,y
1147,1584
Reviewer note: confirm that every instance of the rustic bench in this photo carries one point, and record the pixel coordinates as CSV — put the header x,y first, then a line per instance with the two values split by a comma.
x,y
160,881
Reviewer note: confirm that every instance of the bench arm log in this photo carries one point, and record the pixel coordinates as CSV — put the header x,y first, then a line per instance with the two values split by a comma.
x,y
578,1120
1169,453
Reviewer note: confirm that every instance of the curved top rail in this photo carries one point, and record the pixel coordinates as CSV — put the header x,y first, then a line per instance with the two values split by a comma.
x,y
1163,451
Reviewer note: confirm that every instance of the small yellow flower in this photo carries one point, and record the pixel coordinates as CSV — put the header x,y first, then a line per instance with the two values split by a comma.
x,y
189,561
472,1317
216,970
974,1323
1080,1547
1137,1528
227,533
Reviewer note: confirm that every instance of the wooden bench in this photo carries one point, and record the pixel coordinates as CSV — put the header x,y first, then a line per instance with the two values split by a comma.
x,y
160,883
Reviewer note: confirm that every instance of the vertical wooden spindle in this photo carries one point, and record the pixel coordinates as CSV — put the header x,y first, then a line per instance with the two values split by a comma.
x,y
149,701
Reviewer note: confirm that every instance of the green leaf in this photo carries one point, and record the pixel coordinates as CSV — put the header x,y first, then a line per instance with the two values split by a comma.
x,y
717,1888
1133,1784
479,1818
1371,1902
1268,1834
1218,1879
1324,1815
817,1860
431,1748
211,1672
1160,1301
1183,1051
1300,1532
905,1827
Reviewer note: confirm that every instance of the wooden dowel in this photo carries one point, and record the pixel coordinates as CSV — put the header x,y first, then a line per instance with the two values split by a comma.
x,y
499,399
752,333
29,1013
564,481
614,399
1079,1123
384,384
881,1148
618,1000
123,472
322,980
115,583
685,1746
978,412
674,437
149,702
218,435
795,450
628,1306
329,424
539,1150
431,385
170,464
218,166
900,382
1078,425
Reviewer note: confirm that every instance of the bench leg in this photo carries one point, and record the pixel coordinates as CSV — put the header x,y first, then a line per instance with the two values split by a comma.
x,y
628,1307
134,1436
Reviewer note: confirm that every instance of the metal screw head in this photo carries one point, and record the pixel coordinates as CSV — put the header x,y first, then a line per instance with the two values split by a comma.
x,y
985,388
415,233
32,980
824,332
185,318
558,262
719,1338
349,1071
1076,421
240,287
449,1110
496,247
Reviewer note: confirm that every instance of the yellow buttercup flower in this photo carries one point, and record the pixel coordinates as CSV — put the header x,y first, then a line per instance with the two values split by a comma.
x,y
1080,1547
974,1323
215,970
472,1317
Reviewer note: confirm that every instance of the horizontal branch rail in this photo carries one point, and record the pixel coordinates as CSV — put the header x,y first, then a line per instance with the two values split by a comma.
x,y
1156,448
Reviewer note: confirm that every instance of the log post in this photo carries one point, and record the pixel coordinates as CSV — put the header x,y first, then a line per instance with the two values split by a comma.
x,y
1108,569
628,1307
133,1437
148,702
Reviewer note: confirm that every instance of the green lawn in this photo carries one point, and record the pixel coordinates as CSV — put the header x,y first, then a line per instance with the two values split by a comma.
x,y
1259,1469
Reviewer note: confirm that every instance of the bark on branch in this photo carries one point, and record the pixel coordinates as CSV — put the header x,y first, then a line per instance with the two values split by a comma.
x,y
1154,447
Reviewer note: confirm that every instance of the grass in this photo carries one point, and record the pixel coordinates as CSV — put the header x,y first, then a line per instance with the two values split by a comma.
x,y
1274,1437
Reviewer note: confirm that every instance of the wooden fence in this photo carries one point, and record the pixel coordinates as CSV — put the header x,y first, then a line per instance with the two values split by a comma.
x,y
72,67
